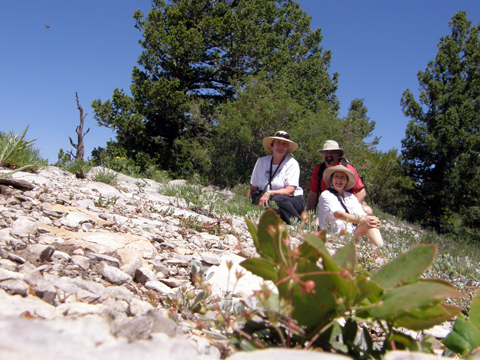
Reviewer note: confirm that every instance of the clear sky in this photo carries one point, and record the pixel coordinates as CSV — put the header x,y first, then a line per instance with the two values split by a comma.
x,y
92,46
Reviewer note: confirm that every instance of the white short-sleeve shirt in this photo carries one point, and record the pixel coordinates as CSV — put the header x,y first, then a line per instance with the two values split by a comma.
x,y
328,205
288,174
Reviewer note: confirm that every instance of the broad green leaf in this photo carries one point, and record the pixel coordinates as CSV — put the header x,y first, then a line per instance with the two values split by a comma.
x,y
311,246
347,288
463,338
474,314
315,241
426,317
344,283
260,267
271,232
469,332
310,309
405,298
406,268
252,229
367,288
346,257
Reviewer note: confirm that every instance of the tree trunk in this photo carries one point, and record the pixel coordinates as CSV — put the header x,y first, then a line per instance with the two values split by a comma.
x,y
79,146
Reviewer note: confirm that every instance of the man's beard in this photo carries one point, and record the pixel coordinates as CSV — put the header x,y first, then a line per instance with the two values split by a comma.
x,y
329,160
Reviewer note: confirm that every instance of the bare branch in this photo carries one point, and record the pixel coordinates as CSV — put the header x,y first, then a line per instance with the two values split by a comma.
x,y
71,142
80,146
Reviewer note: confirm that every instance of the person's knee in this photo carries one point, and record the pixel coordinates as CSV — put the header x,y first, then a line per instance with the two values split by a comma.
x,y
368,210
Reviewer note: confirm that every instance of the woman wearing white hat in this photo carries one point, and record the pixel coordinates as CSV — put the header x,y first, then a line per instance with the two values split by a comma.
x,y
276,177
340,210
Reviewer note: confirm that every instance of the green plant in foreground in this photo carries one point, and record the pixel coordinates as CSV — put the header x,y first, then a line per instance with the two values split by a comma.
x,y
10,145
465,336
316,289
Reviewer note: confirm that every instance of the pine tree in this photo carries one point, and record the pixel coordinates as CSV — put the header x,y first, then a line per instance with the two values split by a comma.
x,y
442,142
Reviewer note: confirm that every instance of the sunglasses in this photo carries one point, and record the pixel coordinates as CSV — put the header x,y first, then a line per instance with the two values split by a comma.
x,y
282,134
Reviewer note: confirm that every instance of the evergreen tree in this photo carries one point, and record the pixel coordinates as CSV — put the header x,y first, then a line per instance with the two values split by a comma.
x,y
194,51
262,107
442,142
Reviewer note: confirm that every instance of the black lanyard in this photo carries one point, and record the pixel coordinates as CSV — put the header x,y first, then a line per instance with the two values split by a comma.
x,y
335,192
275,173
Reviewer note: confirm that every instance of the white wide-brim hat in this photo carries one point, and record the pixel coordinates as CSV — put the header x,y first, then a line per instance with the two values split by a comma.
x,y
331,145
352,178
279,135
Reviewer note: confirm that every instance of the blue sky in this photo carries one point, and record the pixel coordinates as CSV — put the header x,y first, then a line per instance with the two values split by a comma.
x,y
91,47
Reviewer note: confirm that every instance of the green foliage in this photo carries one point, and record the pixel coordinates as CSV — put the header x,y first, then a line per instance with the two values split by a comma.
x,y
154,173
121,165
14,145
106,176
79,168
261,107
320,288
198,269
27,157
465,336
102,202
194,53
206,201
440,150
386,184
63,158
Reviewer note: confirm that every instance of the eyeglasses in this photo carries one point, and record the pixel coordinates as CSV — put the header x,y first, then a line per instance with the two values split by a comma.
x,y
330,152
282,134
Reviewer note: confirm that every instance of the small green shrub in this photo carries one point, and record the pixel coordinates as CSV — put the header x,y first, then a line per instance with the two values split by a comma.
x,y
17,153
27,157
212,201
160,176
122,165
79,168
106,176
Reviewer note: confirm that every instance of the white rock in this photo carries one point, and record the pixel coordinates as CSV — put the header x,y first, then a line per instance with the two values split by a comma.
x,y
16,305
104,240
115,275
159,287
221,281
24,226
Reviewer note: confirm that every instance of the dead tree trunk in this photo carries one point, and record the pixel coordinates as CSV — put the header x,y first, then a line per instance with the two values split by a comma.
x,y
79,147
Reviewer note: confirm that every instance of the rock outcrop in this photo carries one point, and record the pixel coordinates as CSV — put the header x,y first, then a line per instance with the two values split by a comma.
x,y
85,268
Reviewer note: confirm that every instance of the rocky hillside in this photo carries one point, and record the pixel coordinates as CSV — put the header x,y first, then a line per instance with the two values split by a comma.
x,y
85,268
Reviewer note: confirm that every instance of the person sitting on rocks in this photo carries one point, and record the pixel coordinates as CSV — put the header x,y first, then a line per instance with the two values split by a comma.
x,y
276,178
333,155
340,210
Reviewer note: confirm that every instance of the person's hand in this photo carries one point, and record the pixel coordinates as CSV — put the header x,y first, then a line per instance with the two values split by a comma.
x,y
371,221
374,222
264,199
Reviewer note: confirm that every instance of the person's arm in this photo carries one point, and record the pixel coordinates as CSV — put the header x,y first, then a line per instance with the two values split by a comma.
x,y
351,218
287,190
360,195
250,190
311,201
370,221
